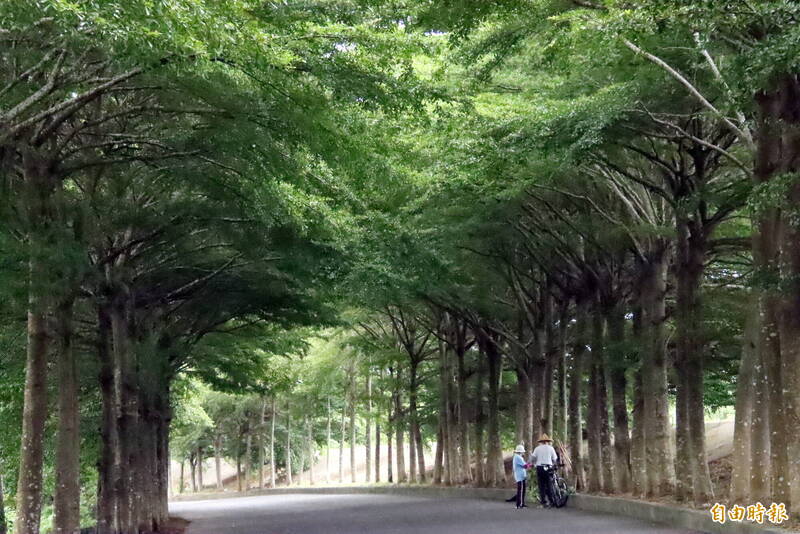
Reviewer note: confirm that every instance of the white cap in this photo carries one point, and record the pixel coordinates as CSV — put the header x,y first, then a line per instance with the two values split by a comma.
x,y
520,448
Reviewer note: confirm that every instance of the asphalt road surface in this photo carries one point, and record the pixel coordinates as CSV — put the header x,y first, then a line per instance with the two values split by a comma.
x,y
389,514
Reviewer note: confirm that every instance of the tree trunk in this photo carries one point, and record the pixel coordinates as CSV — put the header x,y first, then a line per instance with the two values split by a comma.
x,y
238,468
342,440
438,457
301,468
496,475
377,451
108,471
218,460
761,435
480,422
658,450
560,417
389,459
248,461
193,471
776,155
353,427
262,450
445,476
288,444
3,526
273,467
182,477
745,400
66,502
523,407
34,416
415,444
638,460
328,443
310,451
200,483
463,427
399,421
575,420
368,431
595,415
619,386
689,353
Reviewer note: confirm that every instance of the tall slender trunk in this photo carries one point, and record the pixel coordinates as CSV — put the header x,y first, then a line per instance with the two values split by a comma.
x,y
248,461
761,434
745,401
560,417
399,429
193,472
342,439
659,453
595,415
3,527
619,385
182,481
575,420
328,443
416,457
301,467
389,459
378,434
368,431
273,467
262,451
310,432
496,475
463,426
353,427
200,483
480,422
218,460
108,468
438,456
691,252
66,502
34,415
238,469
524,429
288,444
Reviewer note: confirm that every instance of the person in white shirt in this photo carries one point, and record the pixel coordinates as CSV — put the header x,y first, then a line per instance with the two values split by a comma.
x,y
544,457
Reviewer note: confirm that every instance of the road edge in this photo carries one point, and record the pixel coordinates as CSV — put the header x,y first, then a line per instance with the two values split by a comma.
x,y
647,511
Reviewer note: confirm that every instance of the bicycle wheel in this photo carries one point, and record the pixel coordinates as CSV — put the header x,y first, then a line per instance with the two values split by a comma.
x,y
561,493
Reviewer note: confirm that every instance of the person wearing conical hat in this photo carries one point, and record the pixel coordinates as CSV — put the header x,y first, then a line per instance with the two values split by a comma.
x,y
544,457
520,474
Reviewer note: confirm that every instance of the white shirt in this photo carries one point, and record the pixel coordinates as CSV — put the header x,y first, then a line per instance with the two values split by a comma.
x,y
544,455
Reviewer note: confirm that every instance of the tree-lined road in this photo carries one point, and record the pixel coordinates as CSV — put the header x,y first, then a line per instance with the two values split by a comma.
x,y
387,514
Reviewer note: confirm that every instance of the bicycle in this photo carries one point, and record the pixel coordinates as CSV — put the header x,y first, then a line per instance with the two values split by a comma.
x,y
559,492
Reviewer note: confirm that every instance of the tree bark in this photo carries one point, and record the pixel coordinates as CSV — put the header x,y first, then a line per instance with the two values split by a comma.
x,y
399,421
658,449
353,427
248,461
496,475
66,502
745,400
575,420
328,443
288,444
595,415
368,431
262,450
480,422
273,467
108,469
3,526
463,427
34,415
218,460
619,386
342,439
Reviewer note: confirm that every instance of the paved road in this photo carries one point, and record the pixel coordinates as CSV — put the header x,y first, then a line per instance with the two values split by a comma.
x,y
389,514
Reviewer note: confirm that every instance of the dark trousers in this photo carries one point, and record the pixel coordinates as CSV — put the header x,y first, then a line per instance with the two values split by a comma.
x,y
543,478
521,487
